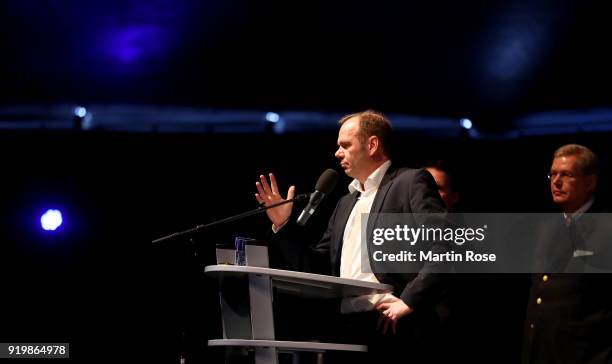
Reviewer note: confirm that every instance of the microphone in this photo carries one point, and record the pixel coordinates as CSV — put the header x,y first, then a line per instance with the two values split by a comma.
x,y
324,186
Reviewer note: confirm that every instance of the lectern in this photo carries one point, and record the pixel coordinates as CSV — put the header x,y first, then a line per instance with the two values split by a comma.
x,y
246,294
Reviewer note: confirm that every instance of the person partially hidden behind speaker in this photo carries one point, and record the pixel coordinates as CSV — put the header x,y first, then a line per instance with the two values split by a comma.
x,y
569,315
402,324
440,171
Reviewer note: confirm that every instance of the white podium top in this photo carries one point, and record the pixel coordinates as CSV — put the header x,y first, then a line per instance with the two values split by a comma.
x,y
301,283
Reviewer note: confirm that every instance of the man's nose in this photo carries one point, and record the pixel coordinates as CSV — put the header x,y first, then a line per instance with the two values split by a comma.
x,y
338,153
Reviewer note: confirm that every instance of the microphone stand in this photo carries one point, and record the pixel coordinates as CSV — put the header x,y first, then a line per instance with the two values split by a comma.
x,y
243,215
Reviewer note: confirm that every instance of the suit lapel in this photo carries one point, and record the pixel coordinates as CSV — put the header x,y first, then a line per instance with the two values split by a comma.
x,y
381,194
377,205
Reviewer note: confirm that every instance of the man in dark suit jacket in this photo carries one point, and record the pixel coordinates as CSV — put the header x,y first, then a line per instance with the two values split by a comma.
x,y
378,187
569,315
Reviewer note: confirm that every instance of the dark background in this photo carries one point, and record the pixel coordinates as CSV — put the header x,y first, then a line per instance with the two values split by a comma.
x,y
487,60
99,284
98,281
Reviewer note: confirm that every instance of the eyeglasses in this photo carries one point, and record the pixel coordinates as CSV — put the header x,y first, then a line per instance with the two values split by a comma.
x,y
562,175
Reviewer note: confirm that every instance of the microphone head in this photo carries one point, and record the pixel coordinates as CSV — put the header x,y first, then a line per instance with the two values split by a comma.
x,y
327,181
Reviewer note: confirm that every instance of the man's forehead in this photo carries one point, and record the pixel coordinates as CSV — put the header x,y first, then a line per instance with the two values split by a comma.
x,y
349,128
566,162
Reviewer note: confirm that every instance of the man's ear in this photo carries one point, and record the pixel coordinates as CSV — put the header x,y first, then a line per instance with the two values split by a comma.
x,y
373,144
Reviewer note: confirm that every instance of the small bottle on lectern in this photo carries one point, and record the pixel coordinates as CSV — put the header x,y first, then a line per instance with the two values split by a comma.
x,y
240,244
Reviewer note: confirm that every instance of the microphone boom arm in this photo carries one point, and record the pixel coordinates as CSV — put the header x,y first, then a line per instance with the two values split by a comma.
x,y
229,219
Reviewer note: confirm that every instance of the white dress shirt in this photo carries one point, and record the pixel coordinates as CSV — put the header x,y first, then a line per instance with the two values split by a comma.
x,y
350,260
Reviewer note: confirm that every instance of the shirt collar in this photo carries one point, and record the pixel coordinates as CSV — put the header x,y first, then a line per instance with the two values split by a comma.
x,y
581,210
372,182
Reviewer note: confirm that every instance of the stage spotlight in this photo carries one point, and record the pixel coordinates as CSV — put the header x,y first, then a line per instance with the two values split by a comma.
x,y
272,117
80,111
465,123
82,119
51,220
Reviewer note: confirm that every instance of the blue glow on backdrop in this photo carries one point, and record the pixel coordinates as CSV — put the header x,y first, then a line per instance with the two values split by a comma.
x,y
135,43
516,44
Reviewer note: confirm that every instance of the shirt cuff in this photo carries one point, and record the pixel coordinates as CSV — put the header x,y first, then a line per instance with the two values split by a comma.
x,y
276,229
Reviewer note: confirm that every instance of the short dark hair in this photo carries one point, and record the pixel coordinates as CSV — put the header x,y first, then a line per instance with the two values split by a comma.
x,y
588,163
373,123
443,166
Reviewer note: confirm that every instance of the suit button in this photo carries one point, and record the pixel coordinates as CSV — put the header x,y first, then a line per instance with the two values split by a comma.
x,y
531,326
545,278
539,301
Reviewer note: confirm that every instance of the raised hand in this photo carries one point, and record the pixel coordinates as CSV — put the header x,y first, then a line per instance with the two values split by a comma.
x,y
267,194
